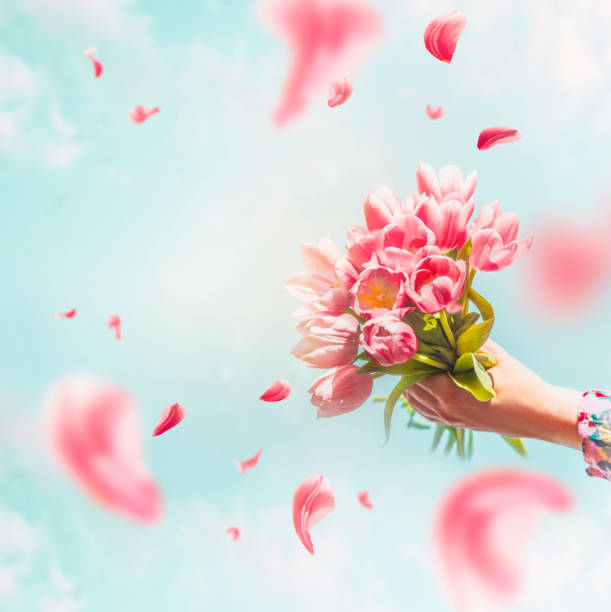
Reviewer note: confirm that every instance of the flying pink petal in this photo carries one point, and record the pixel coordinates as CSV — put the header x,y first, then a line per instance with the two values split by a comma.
x,y
114,322
234,532
249,463
312,501
170,417
340,92
92,429
483,525
139,114
277,392
442,34
67,315
327,40
365,500
434,113
493,136
97,66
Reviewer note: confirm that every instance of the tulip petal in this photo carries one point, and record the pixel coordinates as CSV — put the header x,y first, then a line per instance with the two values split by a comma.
x,y
493,136
312,501
427,182
363,497
114,322
92,429
170,417
97,66
249,463
340,92
434,113
483,525
234,532
139,114
277,392
66,315
442,34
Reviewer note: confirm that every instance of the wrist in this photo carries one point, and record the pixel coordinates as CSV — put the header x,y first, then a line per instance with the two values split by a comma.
x,y
560,423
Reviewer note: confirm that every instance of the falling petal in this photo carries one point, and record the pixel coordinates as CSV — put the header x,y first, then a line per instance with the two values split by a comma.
x,y
249,463
114,322
92,429
277,392
327,40
442,34
234,532
493,136
66,315
365,500
139,114
170,417
483,526
97,66
312,501
340,92
434,113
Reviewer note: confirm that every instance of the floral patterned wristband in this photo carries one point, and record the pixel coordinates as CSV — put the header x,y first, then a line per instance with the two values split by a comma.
x,y
594,425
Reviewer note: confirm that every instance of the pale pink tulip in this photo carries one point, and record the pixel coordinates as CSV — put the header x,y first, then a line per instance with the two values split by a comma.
x,y
442,34
332,304
327,40
388,339
449,185
381,206
365,500
234,532
277,392
483,525
93,432
493,136
447,220
327,341
436,283
340,92
342,390
97,66
66,315
170,417
249,463
378,290
139,114
114,323
493,234
434,113
364,246
312,501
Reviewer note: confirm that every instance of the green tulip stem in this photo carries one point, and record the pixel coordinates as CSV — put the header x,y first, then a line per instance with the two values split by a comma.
x,y
443,317
430,361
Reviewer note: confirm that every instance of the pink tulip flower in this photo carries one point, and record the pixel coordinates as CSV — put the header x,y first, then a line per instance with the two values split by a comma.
x,y
342,390
378,290
448,185
494,234
436,283
328,341
447,220
381,206
388,339
332,304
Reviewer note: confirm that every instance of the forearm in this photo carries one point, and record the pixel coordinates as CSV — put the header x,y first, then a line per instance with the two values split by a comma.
x,y
557,420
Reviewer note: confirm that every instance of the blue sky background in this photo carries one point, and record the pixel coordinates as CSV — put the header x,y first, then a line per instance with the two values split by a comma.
x,y
188,225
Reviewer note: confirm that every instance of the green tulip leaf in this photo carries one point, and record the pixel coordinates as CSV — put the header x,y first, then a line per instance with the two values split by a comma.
x,y
465,322
474,336
395,394
517,445
471,375
486,359
439,429
426,327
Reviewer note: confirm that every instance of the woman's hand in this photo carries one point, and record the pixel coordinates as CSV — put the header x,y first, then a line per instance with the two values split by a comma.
x,y
525,405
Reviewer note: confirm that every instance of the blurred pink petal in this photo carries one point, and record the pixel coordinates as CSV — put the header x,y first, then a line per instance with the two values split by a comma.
x,y
67,315
340,92
327,40
92,429
234,532
170,417
114,322
442,34
97,66
365,500
249,463
277,392
434,113
312,501
493,136
139,114
483,526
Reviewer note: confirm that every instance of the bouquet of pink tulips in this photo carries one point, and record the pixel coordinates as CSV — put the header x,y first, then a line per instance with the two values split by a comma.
x,y
397,300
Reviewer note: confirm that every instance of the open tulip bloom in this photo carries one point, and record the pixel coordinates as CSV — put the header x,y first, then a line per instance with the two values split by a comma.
x,y
397,300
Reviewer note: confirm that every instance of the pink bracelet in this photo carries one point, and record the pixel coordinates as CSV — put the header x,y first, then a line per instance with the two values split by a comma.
x,y
594,425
